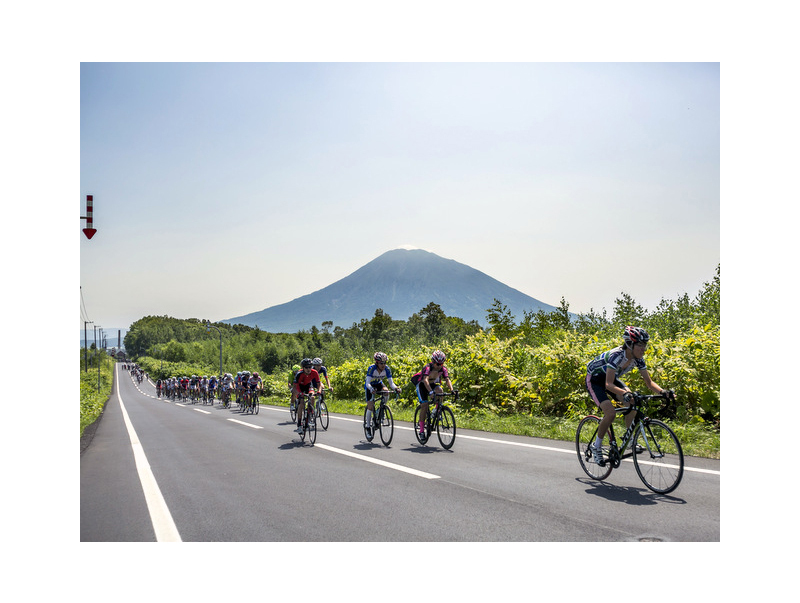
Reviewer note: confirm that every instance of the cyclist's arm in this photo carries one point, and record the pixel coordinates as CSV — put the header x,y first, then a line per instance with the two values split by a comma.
x,y
652,385
611,376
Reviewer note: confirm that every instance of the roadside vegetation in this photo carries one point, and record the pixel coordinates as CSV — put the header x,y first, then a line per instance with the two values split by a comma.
x,y
522,375
95,385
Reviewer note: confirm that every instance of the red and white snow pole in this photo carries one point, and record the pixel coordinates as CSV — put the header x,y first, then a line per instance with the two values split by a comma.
x,y
89,231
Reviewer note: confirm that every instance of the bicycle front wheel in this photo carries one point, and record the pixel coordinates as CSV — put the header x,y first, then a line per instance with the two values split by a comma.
x,y
312,428
386,425
293,412
446,428
256,404
658,456
323,415
368,433
584,438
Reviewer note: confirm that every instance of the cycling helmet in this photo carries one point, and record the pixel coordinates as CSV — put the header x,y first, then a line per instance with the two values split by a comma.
x,y
380,357
317,361
633,335
438,356
255,374
306,363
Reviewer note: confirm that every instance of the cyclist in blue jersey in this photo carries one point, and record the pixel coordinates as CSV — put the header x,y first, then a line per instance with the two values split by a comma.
x,y
322,370
603,378
376,373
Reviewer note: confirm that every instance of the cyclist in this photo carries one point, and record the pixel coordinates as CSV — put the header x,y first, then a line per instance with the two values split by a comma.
x,y
227,384
185,387
376,373
255,383
603,378
305,382
429,380
322,370
212,386
158,387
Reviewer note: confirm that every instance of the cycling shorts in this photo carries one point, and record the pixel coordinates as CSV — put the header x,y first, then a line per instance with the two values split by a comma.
x,y
378,387
422,393
597,389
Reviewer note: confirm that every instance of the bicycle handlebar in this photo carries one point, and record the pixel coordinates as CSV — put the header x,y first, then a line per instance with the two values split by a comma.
x,y
639,398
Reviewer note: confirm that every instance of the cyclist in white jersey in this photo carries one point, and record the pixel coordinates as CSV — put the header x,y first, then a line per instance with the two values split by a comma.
x,y
603,378
376,373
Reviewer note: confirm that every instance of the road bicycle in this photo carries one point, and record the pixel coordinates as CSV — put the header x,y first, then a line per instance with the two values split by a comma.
x,y
255,402
226,396
439,418
656,451
309,422
382,420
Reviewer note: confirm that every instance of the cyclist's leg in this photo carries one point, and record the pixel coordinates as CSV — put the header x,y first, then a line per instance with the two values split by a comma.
x,y
422,398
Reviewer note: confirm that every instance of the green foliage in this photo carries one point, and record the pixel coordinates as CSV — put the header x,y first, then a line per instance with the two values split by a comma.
x,y
94,390
536,367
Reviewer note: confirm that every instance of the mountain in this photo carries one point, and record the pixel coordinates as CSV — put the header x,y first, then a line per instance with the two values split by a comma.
x,y
401,282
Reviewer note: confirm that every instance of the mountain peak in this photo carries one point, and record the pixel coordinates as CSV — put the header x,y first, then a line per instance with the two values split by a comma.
x,y
401,282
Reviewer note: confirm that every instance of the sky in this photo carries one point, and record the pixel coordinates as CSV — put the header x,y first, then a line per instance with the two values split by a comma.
x,y
233,187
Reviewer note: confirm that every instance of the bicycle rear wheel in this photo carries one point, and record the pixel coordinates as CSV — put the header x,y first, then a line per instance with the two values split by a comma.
x,y
584,438
660,462
386,425
323,415
446,428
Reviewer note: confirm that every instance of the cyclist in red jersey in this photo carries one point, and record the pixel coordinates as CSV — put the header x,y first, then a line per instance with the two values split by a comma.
x,y
305,382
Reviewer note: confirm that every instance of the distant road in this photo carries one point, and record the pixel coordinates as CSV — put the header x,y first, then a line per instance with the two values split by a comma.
x,y
158,470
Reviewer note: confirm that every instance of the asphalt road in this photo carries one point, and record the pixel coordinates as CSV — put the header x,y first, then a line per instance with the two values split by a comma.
x,y
207,474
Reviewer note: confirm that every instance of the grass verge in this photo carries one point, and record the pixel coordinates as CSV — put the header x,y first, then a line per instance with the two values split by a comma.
x,y
695,439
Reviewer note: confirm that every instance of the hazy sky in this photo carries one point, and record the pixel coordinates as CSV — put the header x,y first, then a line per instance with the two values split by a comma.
x,y
232,187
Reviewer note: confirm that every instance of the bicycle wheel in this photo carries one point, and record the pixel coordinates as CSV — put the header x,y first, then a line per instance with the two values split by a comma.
x,y
323,415
386,425
312,427
422,438
584,438
446,428
369,432
293,412
256,403
660,461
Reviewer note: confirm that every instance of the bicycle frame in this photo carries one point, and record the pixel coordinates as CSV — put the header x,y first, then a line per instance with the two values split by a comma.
x,y
435,414
639,423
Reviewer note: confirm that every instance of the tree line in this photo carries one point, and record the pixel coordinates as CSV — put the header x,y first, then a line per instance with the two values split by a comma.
x,y
535,360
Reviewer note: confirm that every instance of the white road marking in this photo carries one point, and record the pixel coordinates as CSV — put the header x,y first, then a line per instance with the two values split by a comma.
x,y
164,526
378,462
247,424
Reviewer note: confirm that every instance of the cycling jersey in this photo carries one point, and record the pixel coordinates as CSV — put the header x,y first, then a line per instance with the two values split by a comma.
x,y
375,377
434,374
303,381
613,359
